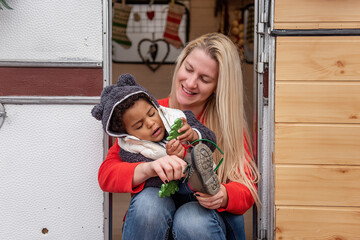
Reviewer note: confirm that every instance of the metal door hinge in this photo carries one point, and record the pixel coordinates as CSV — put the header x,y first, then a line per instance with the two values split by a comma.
x,y
260,67
264,59
262,23
264,17
261,28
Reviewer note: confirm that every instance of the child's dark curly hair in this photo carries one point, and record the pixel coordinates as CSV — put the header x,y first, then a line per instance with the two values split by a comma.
x,y
116,121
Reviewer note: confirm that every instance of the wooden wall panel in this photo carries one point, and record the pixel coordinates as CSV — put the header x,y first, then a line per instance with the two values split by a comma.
x,y
317,185
202,18
320,102
318,58
310,14
317,135
317,144
317,223
203,21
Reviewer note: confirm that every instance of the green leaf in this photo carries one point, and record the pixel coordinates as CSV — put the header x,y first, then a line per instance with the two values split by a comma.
x,y
5,5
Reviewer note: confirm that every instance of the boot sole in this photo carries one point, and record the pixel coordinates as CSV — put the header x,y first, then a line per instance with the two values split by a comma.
x,y
203,163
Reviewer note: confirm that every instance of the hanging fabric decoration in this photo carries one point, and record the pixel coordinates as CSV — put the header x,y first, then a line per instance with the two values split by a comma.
x,y
150,13
173,20
120,21
137,17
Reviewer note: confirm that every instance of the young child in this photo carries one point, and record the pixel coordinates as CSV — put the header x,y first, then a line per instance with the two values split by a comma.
x,y
129,112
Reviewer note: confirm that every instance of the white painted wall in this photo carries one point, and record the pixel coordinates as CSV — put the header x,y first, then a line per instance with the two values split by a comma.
x,y
50,153
51,31
49,157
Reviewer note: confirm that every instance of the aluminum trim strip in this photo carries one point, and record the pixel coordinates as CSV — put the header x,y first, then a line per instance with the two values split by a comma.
x,y
315,32
50,64
49,100
107,75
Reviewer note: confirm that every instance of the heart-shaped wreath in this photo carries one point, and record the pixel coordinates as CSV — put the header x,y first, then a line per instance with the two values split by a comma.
x,y
152,52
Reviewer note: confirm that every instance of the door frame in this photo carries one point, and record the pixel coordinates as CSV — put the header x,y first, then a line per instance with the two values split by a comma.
x,y
264,68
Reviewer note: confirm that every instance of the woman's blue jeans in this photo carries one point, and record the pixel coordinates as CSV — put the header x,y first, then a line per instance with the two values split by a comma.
x,y
177,217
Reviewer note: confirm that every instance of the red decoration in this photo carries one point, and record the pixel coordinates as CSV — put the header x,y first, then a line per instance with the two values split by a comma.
x,y
150,15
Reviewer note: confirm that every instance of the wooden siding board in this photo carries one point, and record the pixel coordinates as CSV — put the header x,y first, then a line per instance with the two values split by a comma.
x,y
295,13
317,222
317,102
317,144
317,185
318,58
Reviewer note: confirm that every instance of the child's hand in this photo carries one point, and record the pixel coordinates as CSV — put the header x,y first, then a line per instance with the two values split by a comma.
x,y
174,147
188,133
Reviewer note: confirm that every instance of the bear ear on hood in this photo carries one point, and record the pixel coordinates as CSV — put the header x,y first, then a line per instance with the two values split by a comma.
x,y
126,80
97,111
106,91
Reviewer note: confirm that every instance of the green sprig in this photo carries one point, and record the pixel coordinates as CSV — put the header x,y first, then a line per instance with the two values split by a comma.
x,y
5,5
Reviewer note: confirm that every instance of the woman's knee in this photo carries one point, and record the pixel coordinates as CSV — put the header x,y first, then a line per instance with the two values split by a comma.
x,y
148,216
192,221
235,226
148,203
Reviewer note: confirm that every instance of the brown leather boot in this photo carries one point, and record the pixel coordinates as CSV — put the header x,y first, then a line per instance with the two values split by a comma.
x,y
201,175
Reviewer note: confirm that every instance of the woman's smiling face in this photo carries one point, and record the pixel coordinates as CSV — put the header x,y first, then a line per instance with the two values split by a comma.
x,y
196,79
143,121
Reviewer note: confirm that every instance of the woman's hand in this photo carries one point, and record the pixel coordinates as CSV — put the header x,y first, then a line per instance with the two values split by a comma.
x,y
219,200
168,168
188,133
174,147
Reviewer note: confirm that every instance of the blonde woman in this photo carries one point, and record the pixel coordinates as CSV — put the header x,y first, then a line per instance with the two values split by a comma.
x,y
208,81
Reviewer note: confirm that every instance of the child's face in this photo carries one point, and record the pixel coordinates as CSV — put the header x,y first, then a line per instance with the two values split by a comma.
x,y
143,121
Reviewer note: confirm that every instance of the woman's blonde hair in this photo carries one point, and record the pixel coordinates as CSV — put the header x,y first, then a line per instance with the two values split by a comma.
x,y
224,112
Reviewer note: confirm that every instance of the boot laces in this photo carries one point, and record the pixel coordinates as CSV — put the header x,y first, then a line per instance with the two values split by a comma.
x,y
188,170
